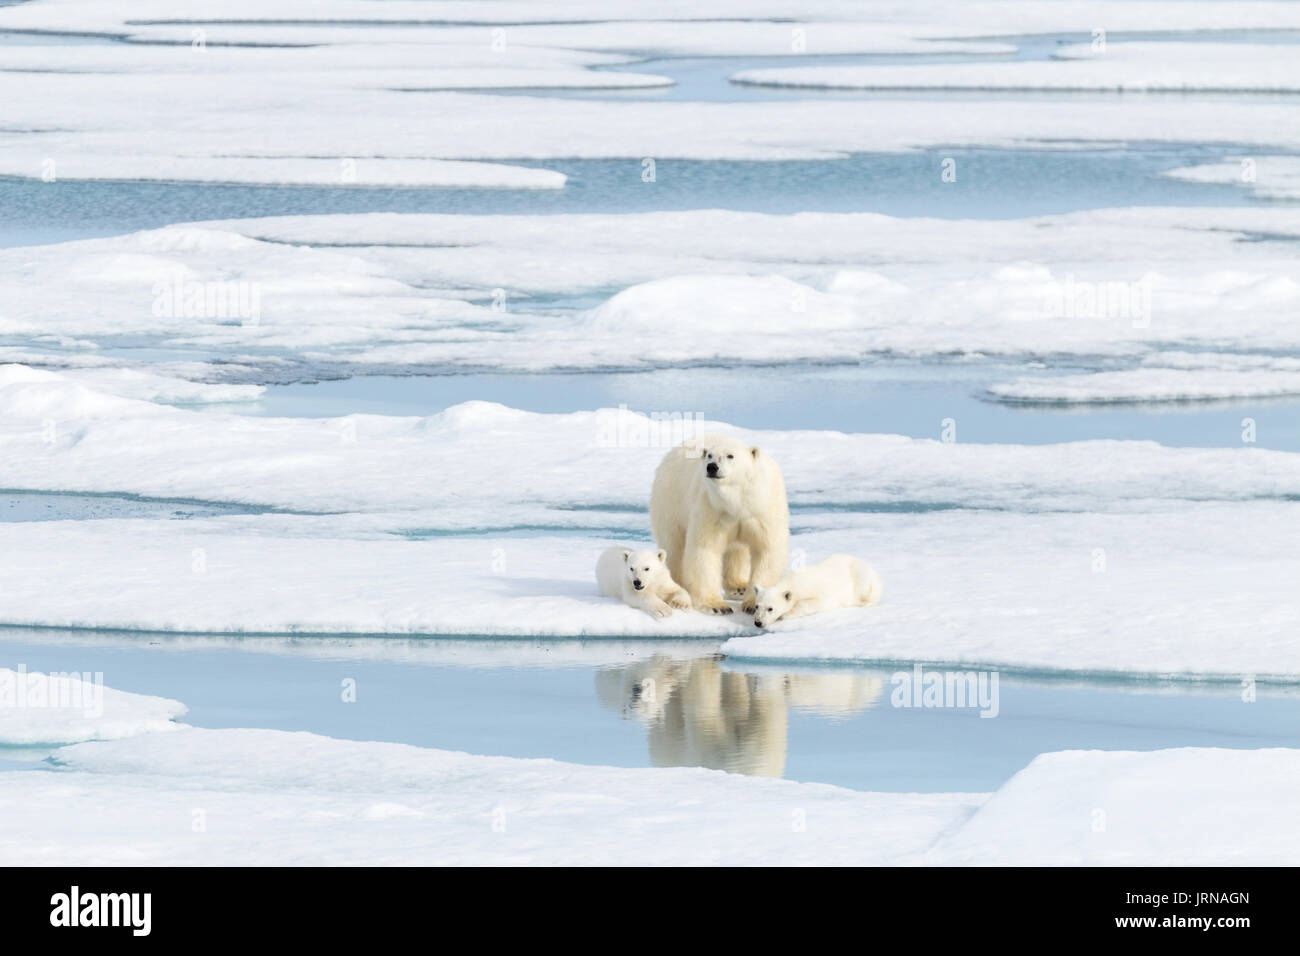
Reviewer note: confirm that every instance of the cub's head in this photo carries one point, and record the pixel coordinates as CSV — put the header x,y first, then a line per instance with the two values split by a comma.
x,y
727,461
771,604
645,569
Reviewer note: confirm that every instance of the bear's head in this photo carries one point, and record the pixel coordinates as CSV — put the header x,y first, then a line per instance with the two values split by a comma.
x,y
726,461
646,570
771,604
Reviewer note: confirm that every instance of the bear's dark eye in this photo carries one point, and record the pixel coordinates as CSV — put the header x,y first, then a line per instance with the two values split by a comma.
x,y
645,569
769,610
731,456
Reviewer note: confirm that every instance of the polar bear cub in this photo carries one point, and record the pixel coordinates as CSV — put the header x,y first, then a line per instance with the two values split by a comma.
x,y
835,582
640,579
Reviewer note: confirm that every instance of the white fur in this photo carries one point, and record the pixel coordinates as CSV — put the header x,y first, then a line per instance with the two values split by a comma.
x,y
619,570
836,582
729,531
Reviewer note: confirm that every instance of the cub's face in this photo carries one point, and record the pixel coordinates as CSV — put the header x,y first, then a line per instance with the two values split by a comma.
x,y
645,569
771,604
728,461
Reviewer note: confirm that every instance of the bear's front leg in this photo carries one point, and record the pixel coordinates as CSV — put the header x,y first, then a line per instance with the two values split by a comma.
x,y
679,599
702,567
735,570
651,605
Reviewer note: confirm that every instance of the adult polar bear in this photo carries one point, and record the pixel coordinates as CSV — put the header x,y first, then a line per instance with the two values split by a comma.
x,y
718,508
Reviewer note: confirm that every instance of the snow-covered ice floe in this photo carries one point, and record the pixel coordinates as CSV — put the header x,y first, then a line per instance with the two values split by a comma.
x,y
436,292
1166,377
1116,66
1228,801
53,115
1136,594
1196,591
275,797
296,798
52,709
134,383
284,171
421,650
666,27
481,465
1269,177
261,75
1109,556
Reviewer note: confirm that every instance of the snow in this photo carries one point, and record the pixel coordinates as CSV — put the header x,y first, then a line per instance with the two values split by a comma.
x,y
424,650
455,538
1269,177
442,554
1194,590
1178,592
250,797
419,291
1149,385
55,709
262,110
63,436
1170,376
286,20
289,171
60,116
1119,67
467,538
136,384
1185,807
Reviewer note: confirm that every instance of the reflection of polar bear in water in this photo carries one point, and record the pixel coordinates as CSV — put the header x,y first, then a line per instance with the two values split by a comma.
x,y
718,507
699,715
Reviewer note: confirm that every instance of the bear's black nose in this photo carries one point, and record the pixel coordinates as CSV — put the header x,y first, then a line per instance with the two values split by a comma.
x,y
713,468
758,623
638,585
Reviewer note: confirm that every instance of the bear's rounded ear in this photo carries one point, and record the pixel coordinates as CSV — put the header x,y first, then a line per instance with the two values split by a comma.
x,y
754,451
662,556
626,555
789,595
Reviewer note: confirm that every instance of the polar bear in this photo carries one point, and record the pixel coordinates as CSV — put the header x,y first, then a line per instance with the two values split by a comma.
x,y
640,579
718,508
836,582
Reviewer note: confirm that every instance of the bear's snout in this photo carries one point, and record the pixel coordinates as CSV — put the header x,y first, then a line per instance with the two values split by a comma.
x,y
636,583
712,469
757,622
